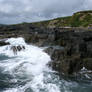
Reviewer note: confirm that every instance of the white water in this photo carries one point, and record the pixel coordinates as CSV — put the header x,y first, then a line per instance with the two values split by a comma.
x,y
28,67
27,71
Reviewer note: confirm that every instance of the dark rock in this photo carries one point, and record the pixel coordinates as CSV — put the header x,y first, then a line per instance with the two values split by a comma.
x,y
2,43
87,63
69,60
62,63
17,48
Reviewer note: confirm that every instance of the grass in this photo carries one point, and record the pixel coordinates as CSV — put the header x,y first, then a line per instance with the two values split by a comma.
x,y
79,19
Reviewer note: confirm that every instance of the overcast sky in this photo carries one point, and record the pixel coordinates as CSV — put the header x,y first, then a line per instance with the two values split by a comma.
x,y
16,11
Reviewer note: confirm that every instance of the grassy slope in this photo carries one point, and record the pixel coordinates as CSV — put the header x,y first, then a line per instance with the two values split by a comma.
x,y
79,19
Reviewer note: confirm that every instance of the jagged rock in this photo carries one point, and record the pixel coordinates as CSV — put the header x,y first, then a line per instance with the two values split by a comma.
x,y
17,48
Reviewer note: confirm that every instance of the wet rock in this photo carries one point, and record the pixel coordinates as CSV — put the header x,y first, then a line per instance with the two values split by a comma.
x,y
2,43
17,48
69,60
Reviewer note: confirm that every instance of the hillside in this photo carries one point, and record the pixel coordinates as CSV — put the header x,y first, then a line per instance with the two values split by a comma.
x,y
79,19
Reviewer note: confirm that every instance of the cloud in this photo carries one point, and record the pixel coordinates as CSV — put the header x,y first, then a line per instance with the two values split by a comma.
x,y
15,11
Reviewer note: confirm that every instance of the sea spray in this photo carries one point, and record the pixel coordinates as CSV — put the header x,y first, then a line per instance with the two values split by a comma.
x,y
27,68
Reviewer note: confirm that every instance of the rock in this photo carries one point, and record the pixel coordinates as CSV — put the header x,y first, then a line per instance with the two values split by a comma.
x,y
14,49
2,43
17,48
87,63
69,60
62,63
55,52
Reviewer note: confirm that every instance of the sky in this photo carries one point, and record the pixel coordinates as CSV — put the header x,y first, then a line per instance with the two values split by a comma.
x,y
17,11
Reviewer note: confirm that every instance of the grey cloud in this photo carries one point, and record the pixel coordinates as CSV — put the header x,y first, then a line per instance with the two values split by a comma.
x,y
16,11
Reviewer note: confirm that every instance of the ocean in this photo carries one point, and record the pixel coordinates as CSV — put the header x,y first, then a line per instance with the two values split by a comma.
x,y
27,71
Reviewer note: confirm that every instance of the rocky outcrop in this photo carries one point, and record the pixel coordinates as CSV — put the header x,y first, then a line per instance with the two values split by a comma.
x,y
76,52
69,48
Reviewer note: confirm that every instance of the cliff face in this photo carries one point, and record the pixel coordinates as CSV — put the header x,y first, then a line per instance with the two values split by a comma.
x,y
69,48
74,52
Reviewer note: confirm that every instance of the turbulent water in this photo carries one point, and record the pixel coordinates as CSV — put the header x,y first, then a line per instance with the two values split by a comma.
x,y
27,71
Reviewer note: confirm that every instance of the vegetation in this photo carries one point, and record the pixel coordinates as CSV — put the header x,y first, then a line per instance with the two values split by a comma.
x,y
79,19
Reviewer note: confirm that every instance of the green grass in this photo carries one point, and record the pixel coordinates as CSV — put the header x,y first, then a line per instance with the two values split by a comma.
x,y
79,19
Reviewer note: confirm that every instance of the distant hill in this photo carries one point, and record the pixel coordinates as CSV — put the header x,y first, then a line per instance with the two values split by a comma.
x,y
78,19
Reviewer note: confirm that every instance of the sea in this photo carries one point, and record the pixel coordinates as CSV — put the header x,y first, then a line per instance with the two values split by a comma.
x,y
27,71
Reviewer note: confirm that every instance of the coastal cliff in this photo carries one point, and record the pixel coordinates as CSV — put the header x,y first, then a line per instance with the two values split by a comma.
x,y
70,47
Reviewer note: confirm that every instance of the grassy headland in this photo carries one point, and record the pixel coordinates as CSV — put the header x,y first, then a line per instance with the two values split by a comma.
x,y
78,19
